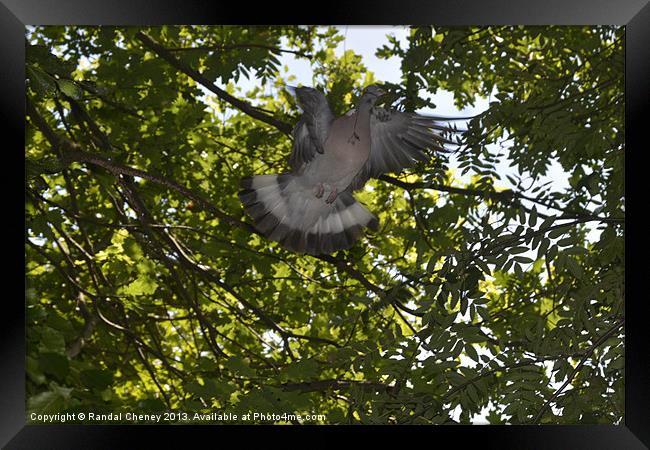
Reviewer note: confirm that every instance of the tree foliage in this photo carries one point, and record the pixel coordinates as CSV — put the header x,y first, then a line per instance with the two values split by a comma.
x,y
149,290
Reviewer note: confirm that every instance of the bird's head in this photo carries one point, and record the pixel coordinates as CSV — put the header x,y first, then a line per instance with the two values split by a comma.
x,y
372,93
374,90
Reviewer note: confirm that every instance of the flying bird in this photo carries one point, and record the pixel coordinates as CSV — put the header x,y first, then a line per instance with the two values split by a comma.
x,y
311,209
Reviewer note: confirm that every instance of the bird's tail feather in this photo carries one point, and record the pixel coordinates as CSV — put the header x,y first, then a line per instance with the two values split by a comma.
x,y
285,211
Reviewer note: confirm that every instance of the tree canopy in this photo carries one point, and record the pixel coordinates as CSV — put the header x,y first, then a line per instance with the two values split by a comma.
x,y
148,289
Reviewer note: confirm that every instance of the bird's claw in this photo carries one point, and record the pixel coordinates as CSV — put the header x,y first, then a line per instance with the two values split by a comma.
x,y
354,138
319,190
332,196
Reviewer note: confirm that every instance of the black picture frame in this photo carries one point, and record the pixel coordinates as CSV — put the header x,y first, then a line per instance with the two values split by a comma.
x,y
633,14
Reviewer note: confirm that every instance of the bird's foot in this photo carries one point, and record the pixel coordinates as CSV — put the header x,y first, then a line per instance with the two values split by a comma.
x,y
319,190
354,138
330,198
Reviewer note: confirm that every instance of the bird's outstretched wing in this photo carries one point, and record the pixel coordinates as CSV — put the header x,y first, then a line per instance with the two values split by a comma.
x,y
398,140
311,131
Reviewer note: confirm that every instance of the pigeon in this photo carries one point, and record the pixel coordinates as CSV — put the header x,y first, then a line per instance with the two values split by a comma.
x,y
311,209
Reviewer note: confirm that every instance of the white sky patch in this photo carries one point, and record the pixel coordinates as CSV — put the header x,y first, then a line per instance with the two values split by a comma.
x,y
271,339
365,40
38,241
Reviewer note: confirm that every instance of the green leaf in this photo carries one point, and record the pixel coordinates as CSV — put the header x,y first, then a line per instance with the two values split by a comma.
x,y
543,247
522,215
239,366
42,83
152,405
306,369
518,270
574,268
516,250
471,352
557,232
532,219
33,371
483,312
54,364
523,259
52,340
565,242
96,378
617,364
143,285
47,402
547,222
70,89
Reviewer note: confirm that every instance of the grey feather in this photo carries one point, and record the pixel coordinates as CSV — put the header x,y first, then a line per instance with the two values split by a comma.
x,y
399,141
312,130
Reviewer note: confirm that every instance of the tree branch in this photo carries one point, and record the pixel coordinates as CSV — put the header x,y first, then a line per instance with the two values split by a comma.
x,y
325,385
597,343
243,106
506,196
217,47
